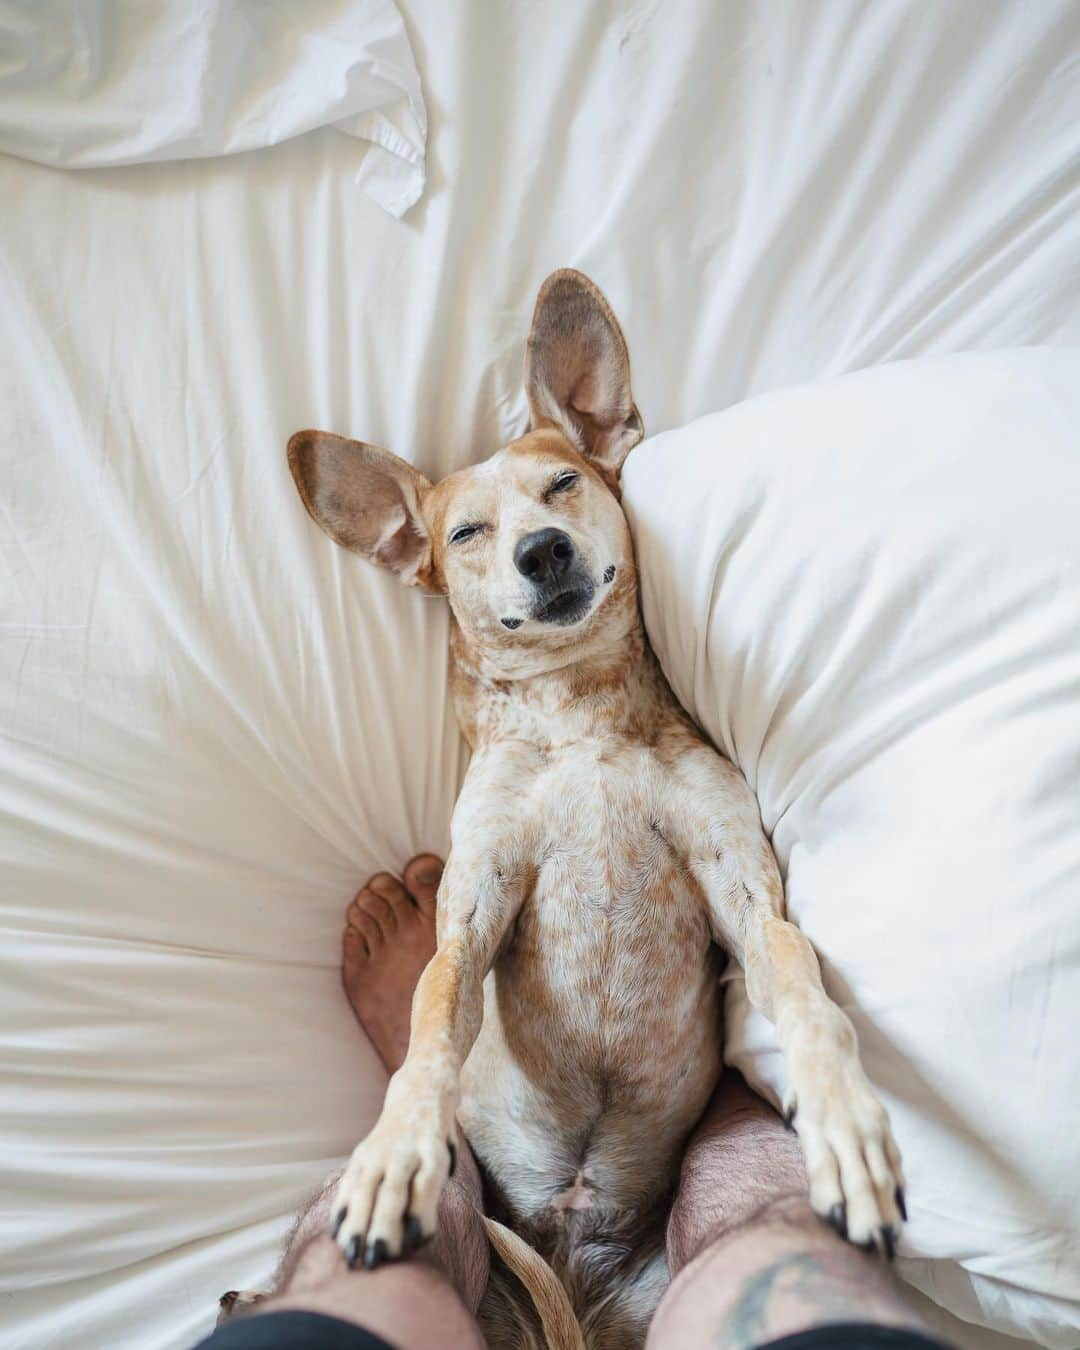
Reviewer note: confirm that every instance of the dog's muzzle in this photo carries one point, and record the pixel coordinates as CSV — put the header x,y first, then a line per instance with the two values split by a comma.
x,y
564,591
566,606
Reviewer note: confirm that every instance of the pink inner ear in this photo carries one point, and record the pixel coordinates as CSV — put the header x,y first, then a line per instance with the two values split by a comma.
x,y
598,393
399,545
366,499
578,371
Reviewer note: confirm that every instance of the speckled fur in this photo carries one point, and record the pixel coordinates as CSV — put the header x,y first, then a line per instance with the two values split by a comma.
x,y
600,846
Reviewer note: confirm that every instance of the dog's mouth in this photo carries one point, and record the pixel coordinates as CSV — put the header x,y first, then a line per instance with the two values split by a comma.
x,y
567,607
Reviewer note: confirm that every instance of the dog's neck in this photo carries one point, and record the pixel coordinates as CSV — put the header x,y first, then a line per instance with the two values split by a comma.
x,y
614,691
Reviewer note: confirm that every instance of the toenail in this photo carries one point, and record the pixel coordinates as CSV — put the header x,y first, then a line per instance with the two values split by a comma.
x,y
427,872
414,1235
376,1254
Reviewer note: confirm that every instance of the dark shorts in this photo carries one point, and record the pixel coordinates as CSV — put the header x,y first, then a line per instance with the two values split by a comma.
x,y
313,1331
292,1331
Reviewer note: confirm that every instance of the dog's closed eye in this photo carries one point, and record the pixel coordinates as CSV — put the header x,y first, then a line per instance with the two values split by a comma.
x,y
562,480
463,532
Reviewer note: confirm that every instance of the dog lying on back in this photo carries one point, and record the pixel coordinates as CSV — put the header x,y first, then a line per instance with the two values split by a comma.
x,y
571,1015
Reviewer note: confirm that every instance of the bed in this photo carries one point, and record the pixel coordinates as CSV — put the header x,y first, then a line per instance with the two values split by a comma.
x,y
213,726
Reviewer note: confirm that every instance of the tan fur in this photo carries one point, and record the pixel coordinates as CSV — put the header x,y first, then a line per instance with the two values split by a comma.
x,y
571,1015
557,1318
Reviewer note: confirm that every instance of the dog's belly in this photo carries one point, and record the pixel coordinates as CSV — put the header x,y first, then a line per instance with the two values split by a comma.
x,y
601,1037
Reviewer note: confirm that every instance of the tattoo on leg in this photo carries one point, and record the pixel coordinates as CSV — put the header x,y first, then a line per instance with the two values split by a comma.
x,y
811,1288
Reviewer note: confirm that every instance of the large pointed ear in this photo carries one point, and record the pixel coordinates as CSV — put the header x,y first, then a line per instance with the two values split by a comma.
x,y
577,371
366,499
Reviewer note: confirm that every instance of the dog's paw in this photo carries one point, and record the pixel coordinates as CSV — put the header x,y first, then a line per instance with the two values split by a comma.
x,y
386,1202
856,1180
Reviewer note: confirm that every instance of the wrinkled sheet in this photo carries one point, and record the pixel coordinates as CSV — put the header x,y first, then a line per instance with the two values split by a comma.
x,y
213,724
103,82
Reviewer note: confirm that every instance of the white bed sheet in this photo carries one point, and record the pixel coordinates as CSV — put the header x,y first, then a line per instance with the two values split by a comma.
x,y
213,723
107,82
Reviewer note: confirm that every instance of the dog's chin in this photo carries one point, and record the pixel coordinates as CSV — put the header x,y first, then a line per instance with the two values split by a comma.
x,y
566,608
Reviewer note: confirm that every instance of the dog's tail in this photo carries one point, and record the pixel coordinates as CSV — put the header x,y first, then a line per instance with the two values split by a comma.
x,y
561,1327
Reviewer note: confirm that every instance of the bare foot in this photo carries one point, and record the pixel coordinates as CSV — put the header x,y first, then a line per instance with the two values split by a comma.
x,y
388,940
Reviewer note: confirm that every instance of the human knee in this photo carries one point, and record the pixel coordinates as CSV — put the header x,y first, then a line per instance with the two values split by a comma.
x,y
461,1247
740,1160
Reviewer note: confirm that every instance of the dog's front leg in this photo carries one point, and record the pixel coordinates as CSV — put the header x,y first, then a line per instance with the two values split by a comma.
x,y
852,1159
388,1197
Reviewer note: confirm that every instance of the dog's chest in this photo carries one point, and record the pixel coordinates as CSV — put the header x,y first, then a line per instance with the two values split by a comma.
x,y
604,857
608,958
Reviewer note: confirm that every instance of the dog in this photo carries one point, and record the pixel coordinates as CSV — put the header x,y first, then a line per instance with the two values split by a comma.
x,y
601,850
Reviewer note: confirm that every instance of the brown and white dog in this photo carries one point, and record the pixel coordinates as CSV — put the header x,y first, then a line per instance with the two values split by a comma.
x,y
571,1015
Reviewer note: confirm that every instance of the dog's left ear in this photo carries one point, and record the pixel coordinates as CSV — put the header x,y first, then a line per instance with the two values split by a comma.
x,y
577,371
367,500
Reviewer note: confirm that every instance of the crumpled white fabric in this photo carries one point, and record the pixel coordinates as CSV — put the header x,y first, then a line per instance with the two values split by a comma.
x,y
91,83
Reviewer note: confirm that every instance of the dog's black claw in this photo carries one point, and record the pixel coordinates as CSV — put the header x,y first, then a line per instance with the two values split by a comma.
x,y
838,1218
228,1298
352,1252
888,1242
789,1118
453,1156
377,1252
901,1204
868,1247
414,1234
339,1219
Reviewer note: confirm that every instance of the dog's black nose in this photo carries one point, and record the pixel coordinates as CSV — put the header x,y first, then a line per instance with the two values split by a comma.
x,y
544,555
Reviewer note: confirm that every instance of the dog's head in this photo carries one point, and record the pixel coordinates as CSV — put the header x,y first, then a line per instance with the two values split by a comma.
x,y
531,546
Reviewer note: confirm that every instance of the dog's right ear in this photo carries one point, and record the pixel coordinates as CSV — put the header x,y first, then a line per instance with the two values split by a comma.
x,y
367,500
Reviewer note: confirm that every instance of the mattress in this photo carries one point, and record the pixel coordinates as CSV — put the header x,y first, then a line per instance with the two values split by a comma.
x,y
213,725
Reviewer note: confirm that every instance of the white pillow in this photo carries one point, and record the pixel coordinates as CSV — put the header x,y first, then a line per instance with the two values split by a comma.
x,y
868,593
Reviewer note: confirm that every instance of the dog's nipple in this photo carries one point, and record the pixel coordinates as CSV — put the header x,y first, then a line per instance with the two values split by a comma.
x,y
511,623
609,575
